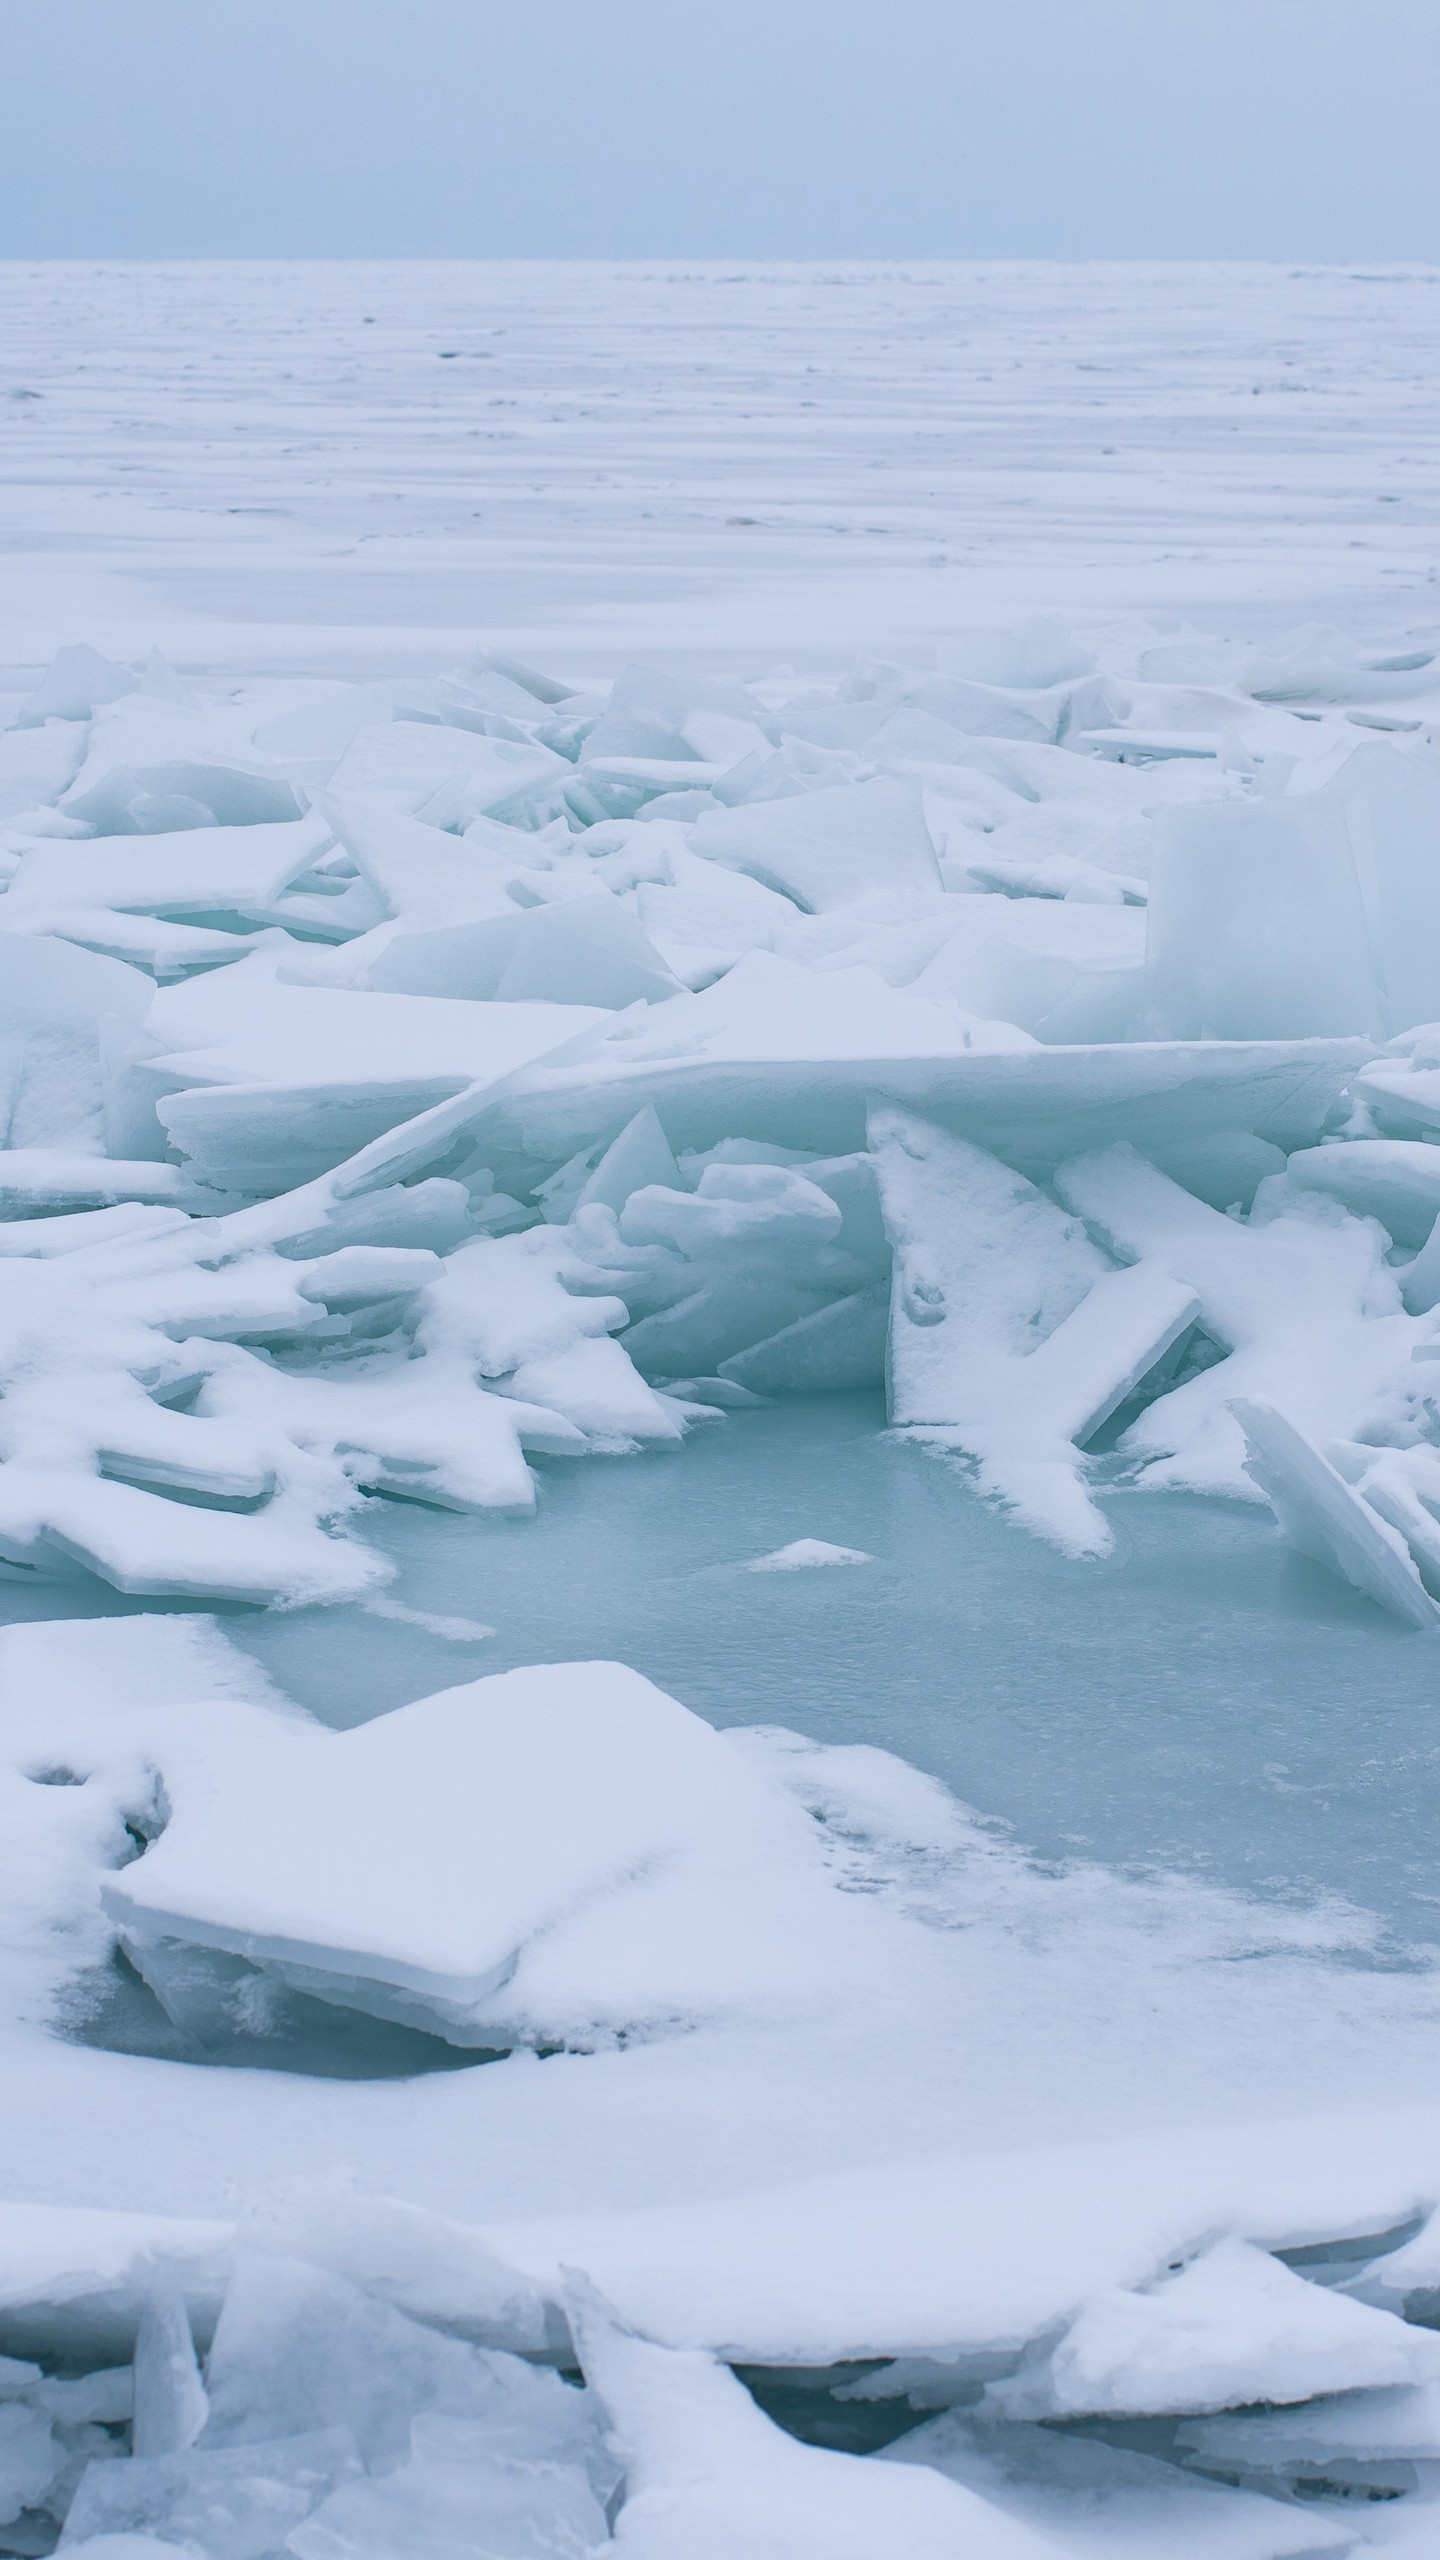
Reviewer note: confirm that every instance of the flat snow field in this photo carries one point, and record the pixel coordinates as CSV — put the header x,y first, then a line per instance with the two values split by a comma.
x,y
719,1412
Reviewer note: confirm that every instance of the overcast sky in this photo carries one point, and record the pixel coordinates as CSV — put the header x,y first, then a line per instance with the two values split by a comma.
x,y
1292,129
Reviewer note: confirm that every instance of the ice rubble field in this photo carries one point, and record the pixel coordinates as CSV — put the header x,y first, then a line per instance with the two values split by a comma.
x,y
600,1237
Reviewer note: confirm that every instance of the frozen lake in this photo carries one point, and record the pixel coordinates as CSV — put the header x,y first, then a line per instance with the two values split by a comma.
x,y
338,469
438,1050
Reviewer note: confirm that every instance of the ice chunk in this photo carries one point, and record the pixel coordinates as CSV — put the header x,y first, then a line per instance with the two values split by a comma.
x,y
639,1156
1299,1296
824,847
578,950
299,2351
1327,1518
236,2504
546,1854
1396,1180
170,2402
466,2489
1100,2502
449,774
51,1180
74,686
188,871
838,1346
708,2476
1257,925
807,1551
30,2458
1232,2326
1363,2441
151,766
1062,970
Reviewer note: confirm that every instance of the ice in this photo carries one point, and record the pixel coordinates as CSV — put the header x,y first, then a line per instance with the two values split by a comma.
x,y
1100,2502
486,1863
76,2280
171,2404
1326,1517
419,1073
1358,2442
803,1552
237,2504
1010,1333
1232,2326
153,765
840,1345
823,847
1298,1296
707,2475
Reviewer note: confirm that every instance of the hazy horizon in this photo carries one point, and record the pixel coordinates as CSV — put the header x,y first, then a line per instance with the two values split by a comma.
x,y
774,130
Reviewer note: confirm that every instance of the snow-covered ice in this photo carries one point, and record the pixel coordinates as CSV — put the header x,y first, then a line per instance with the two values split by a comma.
x,y
659,932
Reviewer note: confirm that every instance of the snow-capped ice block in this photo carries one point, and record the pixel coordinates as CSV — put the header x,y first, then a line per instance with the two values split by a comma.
x,y
1327,1518
824,847
1396,1180
49,1182
1233,2326
1257,925
549,1855
1009,1329
708,2476
985,1266
1299,1295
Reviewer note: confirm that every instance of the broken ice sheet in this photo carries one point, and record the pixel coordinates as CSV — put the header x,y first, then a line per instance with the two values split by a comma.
x,y
545,1856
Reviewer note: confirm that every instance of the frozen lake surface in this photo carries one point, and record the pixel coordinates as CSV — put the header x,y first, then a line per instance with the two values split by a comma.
x,y
977,1976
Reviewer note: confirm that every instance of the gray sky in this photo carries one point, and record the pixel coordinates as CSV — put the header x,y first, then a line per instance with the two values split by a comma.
x,y
1293,129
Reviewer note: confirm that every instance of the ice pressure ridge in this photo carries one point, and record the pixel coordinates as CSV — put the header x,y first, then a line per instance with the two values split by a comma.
x,y
404,1079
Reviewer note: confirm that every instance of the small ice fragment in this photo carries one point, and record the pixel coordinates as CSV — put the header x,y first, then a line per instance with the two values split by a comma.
x,y
431,1621
807,1551
171,2405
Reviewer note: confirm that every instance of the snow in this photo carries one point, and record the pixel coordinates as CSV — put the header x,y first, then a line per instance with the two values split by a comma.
x,y
804,1552
896,997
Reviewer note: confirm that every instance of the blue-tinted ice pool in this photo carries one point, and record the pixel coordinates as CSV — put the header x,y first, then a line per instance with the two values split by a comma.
x,y
1203,1699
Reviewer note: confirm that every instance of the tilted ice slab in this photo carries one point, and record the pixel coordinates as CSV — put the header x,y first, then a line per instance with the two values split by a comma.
x,y
1012,1336
549,1855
